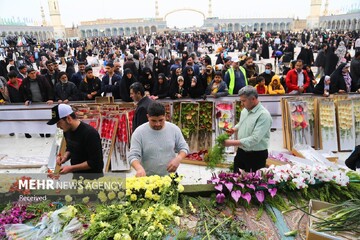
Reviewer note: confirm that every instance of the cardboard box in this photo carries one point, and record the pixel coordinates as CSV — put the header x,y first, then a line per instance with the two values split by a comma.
x,y
312,234
104,99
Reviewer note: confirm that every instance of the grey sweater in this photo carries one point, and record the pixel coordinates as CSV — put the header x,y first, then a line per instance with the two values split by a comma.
x,y
156,148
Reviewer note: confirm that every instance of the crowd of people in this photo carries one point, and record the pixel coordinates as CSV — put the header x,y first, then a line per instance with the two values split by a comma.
x,y
180,66
176,66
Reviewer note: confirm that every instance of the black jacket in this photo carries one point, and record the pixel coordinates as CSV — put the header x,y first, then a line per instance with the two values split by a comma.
x,y
353,160
88,86
337,81
16,96
76,78
45,89
66,91
113,88
140,115
125,84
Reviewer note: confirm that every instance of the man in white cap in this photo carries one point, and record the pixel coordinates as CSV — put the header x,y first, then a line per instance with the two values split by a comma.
x,y
83,143
235,77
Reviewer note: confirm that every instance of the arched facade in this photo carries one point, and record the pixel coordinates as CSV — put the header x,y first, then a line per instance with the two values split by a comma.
x,y
142,26
348,22
40,33
250,25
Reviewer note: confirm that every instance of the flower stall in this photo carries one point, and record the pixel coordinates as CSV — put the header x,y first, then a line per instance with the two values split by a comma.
x,y
268,203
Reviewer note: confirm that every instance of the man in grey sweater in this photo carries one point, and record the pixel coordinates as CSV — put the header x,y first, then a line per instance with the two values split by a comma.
x,y
157,147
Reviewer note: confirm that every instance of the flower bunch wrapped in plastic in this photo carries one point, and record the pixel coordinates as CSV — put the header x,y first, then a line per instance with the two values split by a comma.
x,y
302,176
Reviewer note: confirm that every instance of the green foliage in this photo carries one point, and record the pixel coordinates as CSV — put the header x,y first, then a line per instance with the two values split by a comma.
x,y
216,154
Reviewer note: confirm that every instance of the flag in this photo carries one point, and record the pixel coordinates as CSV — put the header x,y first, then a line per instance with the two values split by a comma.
x,y
19,42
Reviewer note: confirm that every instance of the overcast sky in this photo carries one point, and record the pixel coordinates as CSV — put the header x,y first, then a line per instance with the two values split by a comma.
x,y
74,11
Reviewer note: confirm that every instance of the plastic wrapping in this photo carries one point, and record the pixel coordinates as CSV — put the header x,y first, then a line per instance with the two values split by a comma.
x,y
55,226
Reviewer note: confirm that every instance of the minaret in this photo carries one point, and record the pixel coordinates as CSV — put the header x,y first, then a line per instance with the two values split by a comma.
x,y
156,9
210,10
42,16
59,29
326,8
315,11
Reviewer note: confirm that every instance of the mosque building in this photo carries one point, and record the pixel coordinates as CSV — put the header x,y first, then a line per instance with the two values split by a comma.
x,y
319,18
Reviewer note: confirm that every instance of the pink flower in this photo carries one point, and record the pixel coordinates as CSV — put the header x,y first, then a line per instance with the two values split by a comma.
x,y
260,196
251,186
220,198
247,197
219,187
236,195
240,185
272,191
229,186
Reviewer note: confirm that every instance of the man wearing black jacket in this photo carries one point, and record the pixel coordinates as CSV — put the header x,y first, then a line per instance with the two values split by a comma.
x,y
137,93
90,87
110,82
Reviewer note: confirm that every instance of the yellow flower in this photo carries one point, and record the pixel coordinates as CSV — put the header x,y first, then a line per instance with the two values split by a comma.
x,y
104,224
156,197
177,220
68,198
128,192
133,197
121,194
145,233
85,200
148,194
180,188
102,196
111,195
92,217
80,190
117,236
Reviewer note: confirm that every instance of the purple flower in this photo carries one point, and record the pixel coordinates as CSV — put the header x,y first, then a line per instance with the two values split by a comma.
x,y
229,186
260,196
264,185
219,187
272,191
240,185
236,195
247,197
251,186
220,198
216,180
271,181
222,175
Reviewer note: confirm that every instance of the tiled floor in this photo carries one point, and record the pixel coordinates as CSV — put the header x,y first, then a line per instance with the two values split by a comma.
x,y
36,146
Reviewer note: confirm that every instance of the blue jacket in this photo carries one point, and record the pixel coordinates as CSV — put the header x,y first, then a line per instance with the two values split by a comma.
x,y
76,78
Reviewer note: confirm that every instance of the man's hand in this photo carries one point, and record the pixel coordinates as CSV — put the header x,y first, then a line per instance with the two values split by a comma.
x,y
173,165
60,160
89,96
65,169
342,91
27,103
230,131
140,172
301,89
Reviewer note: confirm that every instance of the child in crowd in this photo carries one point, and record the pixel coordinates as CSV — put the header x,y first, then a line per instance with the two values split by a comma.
x,y
275,87
217,87
261,88
178,90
